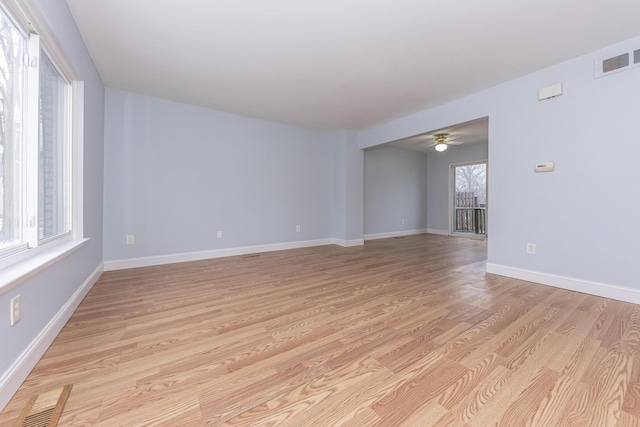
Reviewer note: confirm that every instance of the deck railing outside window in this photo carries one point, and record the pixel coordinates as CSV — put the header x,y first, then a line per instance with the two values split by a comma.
x,y
470,215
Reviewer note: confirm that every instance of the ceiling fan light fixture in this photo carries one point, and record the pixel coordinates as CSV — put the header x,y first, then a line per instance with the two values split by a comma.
x,y
441,142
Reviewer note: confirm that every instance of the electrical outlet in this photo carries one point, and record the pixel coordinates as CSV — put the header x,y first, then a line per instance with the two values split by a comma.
x,y
15,309
402,221
298,228
219,234
531,248
130,239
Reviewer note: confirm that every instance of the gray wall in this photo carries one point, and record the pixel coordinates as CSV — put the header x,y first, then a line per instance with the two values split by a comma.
x,y
395,188
176,174
44,295
438,181
567,213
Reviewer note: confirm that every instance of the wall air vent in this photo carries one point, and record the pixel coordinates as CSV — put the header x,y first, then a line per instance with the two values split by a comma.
x,y
615,63
607,64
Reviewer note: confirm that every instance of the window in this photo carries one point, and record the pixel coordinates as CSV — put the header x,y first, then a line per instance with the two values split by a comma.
x,y
12,77
36,142
469,198
53,146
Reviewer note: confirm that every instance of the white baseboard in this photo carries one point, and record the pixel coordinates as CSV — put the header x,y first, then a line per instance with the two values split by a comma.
x,y
437,231
220,253
348,243
394,234
606,290
18,372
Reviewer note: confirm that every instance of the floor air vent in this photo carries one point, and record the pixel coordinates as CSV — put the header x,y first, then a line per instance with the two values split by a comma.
x,y
44,410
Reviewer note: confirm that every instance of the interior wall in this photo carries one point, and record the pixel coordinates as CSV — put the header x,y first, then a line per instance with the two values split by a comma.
x,y
46,295
395,191
347,196
438,183
569,213
354,190
176,174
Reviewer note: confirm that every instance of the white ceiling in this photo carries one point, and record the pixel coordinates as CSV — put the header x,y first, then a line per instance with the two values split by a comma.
x,y
337,64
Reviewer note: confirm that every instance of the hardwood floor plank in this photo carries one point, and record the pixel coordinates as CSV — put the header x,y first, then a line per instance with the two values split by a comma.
x,y
429,414
578,364
364,417
630,341
229,402
475,399
553,406
611,381
524,409
401,401
462,388
342,407
628,420
631,403
284,409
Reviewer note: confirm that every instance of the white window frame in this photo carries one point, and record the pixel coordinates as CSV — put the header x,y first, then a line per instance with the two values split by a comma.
x,y
67,159
23,261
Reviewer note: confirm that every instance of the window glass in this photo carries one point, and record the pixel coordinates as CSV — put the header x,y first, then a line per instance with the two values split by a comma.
x,y
52,143
12,46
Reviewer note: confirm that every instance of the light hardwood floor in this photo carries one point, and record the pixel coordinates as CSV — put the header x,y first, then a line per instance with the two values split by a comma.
x,y
400,332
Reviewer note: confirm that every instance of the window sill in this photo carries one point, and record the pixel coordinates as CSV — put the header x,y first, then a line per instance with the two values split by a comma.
x,y
18,273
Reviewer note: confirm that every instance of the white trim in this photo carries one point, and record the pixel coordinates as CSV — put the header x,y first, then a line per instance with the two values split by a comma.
x,y
77,162
39,259
469,235
395,234
217,253
606,290
348,243
437,231
30,147
20,369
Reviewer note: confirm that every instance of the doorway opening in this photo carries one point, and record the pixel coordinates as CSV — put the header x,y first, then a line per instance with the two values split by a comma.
x,y
469,199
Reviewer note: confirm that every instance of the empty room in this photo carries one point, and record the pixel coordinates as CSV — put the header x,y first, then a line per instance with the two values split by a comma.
x,y
296,213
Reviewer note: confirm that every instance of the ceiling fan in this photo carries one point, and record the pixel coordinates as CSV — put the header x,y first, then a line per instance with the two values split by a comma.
x,y
442,141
